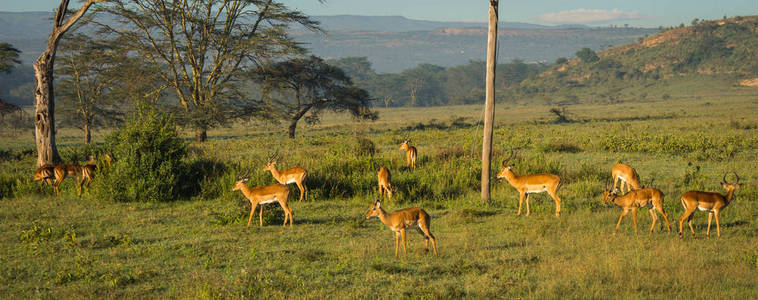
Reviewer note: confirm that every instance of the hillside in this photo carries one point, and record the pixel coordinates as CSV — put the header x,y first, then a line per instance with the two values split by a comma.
x,y
719,56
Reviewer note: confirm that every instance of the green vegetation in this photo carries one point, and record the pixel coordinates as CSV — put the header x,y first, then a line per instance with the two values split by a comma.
x,y
198,246
702,59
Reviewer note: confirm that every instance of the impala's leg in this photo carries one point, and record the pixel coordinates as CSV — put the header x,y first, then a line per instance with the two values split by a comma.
x,y
626,211
634,219
252,211
260,215
528,212
687,215
424,226
302,190
665,217
654,218
57,184
718,227
520,200
397,242
615,183
402,235
381,191
557,199
689,222
710,218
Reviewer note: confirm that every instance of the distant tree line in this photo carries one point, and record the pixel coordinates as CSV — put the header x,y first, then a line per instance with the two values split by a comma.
x,y
432,85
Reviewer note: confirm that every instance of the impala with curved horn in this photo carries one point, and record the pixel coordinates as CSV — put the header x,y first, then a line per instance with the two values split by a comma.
x,y
410,153
627,175
402,219
713,203
530,184
294,175
262,195
651,198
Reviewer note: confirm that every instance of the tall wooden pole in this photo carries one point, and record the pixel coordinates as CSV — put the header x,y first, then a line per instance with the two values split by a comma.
x,y
489,104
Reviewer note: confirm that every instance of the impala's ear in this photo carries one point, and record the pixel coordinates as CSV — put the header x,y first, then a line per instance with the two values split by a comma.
x,y
378,204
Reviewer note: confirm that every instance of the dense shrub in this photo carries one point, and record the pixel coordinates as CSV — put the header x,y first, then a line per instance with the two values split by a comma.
x,y
148,159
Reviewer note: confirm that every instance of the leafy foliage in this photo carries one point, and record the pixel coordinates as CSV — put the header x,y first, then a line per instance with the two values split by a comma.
x,y
148,159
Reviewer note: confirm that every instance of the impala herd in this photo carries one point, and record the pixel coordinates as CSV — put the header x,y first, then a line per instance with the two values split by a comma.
x,y
636,195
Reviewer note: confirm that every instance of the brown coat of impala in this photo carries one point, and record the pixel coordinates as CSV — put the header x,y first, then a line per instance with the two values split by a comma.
x,y
402,219
262,195
294,175
81,174
385,182
410,153
713,203
532,183
651,198
44,174
627,175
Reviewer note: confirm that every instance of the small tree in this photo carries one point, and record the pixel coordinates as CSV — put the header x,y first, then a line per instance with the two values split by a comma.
x,y
8,57
587,55
148,159
87,68
316,85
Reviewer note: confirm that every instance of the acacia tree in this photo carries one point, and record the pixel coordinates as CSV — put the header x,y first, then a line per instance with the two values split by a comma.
x,y
88,70
316,86
8,57
44,101
203,46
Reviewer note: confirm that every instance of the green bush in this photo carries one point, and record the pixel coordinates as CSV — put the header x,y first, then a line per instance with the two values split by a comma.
x,y
148,159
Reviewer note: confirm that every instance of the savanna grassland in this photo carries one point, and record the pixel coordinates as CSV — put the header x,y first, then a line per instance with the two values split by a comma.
x,y
199,247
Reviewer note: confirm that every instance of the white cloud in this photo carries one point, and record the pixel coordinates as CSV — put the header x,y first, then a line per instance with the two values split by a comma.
x,y
583,15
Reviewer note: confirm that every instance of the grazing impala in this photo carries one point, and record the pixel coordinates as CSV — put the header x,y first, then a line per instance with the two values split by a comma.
x,y
400,220
385,182
295,175
713,203
627,175
73,170
263,195
45,174
651,198
410,153
532,183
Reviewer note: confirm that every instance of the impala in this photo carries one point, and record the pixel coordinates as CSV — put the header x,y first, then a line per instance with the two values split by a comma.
x,y
385,182
45,174
627,175
295,175
263,195
530,184
410,153
651,198
713,203
400,220
63,170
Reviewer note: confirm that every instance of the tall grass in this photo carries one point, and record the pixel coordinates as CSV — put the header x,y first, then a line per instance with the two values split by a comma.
x,y
199,247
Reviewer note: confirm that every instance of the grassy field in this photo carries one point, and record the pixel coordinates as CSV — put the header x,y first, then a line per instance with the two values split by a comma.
x,y
199,247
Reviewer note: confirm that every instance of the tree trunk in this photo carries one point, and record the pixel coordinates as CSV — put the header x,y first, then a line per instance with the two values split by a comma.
x,y
44,106
44,103
87,134
291,129
201,135
489,113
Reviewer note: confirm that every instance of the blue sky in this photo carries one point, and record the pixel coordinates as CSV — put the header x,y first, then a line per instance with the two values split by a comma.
x,y
649,13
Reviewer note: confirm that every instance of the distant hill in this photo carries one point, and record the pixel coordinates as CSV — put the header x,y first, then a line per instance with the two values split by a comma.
x,y
402,24
392,44
711,57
